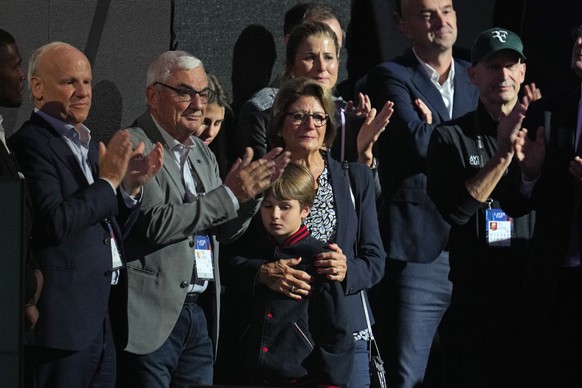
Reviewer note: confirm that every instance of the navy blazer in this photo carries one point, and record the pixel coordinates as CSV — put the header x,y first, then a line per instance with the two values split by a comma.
x,y
71,239
287,338
412,228
358,237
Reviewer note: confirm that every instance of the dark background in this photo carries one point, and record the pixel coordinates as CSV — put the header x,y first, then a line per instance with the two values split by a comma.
x,y
121,38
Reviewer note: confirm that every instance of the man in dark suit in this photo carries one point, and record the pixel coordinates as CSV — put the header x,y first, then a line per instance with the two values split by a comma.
x,y
428,86
83,202
173,249
11,85
551,163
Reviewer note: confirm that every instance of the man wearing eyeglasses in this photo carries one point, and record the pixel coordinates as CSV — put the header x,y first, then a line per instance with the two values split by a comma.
x,y
173,251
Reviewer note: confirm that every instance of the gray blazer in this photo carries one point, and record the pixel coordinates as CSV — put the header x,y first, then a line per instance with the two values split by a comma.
x,y
160,249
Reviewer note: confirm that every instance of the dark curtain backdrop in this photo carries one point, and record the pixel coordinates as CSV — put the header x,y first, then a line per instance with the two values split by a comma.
x,y
238,41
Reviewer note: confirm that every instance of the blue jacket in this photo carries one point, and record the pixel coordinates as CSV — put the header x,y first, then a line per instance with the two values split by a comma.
x,y
70,234
407,213
288,339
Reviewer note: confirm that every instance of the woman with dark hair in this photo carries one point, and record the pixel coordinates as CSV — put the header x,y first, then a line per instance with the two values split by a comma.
x,y
217,124
312,51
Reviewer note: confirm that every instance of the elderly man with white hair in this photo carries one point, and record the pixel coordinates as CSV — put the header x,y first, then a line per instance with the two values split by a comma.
x,y
173,251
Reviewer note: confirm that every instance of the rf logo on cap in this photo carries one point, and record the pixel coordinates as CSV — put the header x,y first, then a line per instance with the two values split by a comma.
x,y
500,34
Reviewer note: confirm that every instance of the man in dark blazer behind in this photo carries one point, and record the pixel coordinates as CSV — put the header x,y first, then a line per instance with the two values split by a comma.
x,y
428,86
552,184
81,214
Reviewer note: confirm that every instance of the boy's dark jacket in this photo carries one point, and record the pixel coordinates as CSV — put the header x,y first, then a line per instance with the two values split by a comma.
x,y
308,339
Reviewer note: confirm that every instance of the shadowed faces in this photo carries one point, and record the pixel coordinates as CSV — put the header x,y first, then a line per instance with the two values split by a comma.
x,y
576,63
499,78
431,25
11,76
212,123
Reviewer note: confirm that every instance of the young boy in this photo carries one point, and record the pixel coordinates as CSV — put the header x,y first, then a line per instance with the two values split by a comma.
x,y
306,341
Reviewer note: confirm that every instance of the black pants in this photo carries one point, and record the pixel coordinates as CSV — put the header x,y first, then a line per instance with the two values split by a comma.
x,y
555,343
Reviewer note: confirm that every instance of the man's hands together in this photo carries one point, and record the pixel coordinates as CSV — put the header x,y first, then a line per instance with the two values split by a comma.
x,y
247,179
120,163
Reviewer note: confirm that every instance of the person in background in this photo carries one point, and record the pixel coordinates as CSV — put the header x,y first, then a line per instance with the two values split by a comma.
x,y
270,346
85,198
217,109
262,100
551,184
428,87
313,51
217,124
172,268
11,84
469,168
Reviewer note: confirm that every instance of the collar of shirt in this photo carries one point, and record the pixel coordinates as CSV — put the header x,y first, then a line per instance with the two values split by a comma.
x,y
77,140
447,89
83,137
179,150
296,237
432,74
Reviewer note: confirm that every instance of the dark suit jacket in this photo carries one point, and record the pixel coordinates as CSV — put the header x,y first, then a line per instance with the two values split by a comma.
x,y
9,169
7,164
552,199
357,236
407,213
308,337
70,237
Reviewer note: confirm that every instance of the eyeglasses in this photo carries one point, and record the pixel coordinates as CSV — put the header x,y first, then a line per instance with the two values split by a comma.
x,y
576,32
188,94
299,118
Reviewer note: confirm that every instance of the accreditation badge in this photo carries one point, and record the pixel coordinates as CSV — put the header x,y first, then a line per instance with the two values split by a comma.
x,y
203,258
116,262
499,228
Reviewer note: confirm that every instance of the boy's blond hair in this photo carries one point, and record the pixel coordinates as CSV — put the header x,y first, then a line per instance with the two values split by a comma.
x,y
296,182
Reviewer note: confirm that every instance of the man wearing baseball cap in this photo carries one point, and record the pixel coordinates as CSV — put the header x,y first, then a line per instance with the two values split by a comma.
x,y
469,162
